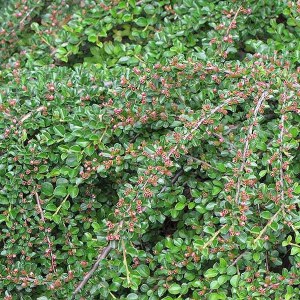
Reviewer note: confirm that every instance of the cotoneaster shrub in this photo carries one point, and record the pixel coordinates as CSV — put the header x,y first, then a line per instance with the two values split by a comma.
x,y
180,172
106,33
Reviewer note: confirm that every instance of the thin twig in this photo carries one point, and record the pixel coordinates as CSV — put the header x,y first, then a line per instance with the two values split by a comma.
x,y
86,278
28,14
231,128
177,175
101,256
230,145
281,159
233,20
229,28
281,183
208,243
268,224
174,179
267,261
239,182
125,262
202,162
27,116
237,259
199,123
60,206
47,237
134,138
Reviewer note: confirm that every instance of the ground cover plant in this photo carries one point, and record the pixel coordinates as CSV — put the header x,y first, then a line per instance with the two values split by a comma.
x,y
149,150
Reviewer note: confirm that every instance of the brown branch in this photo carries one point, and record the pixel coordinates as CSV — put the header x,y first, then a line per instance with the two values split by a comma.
x,y
239,182
174,179
269,223
233,20
47,237
101,256
208,243
199,123
21,23
202,162
281,159
267,261
27,116
219,46
6,114
237,259
86,278
281,209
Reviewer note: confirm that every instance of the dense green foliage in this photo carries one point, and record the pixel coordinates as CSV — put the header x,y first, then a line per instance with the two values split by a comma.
x,y
161,137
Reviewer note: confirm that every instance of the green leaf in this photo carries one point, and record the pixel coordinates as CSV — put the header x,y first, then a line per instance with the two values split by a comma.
x,y
223,263
149,9
174,289
51,207
132,296
143,270
56,219
222,279
75,148
66,205
214,285
242,237
142,22
261,146
294,131
109,48
3,200
89,150
234,281
209,229
73,191
216,190
210,273
289,293
297,190
47,188
82,142
255,230
2,169
256,257
216,296
2,218
73,159
169,53
35,27
93,38
60,191
161,290
262,173
59,130
221,167
180,206
266,215
231,270
274,225
295,250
